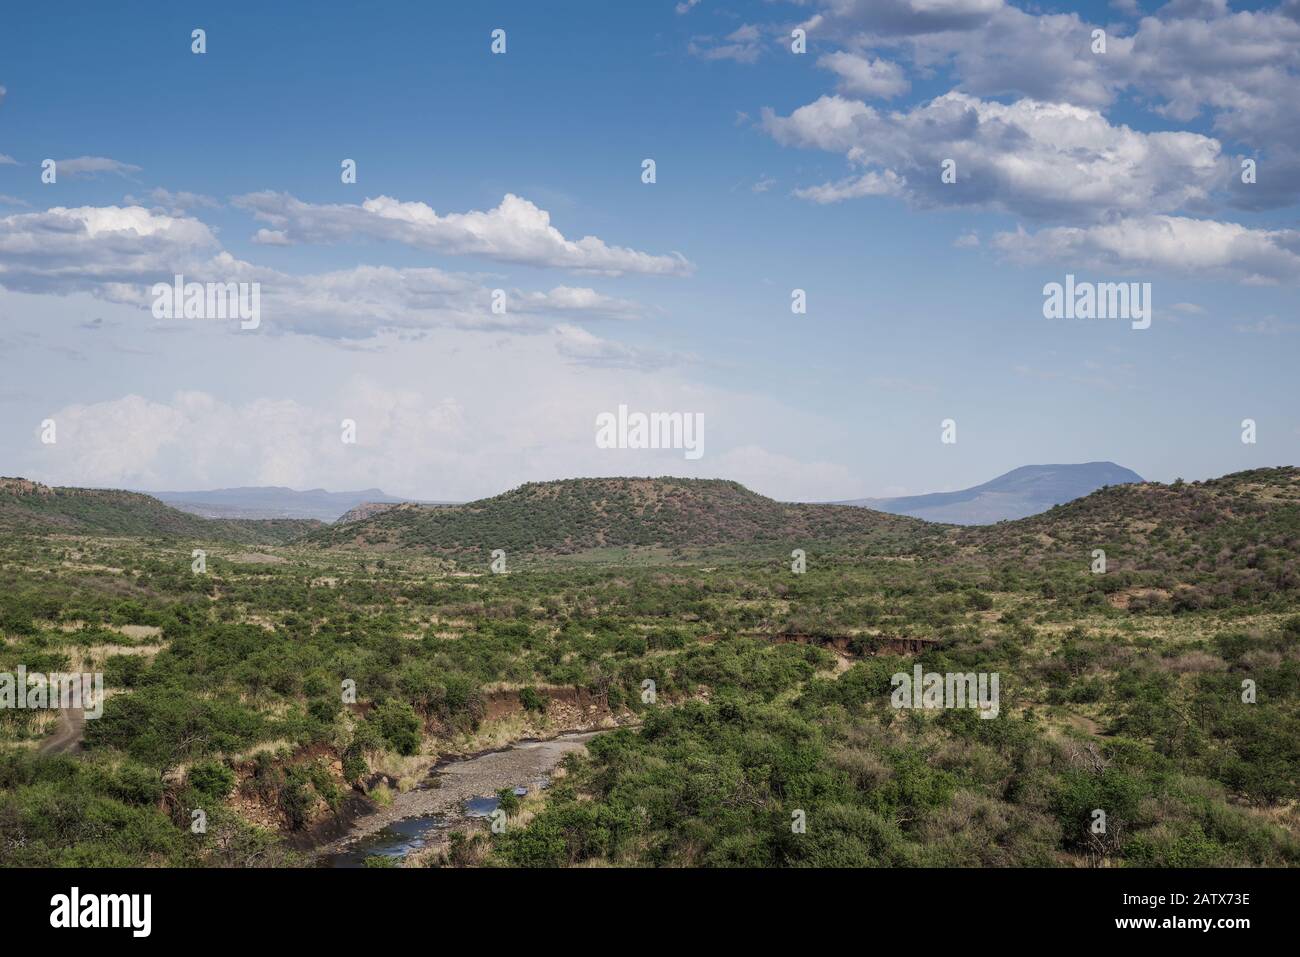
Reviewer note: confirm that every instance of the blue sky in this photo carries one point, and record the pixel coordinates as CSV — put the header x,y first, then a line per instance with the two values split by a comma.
x,y
775,171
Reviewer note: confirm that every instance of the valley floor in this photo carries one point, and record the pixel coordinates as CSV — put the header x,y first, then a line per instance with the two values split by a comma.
x,y
290,696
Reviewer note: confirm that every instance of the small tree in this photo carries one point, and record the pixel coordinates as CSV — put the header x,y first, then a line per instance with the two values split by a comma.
x,y
399,725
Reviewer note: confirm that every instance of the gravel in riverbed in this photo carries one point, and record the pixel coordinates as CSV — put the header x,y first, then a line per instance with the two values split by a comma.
x,y
523,765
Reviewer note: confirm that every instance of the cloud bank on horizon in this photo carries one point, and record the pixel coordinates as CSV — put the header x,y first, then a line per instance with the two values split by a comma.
x,y
621,213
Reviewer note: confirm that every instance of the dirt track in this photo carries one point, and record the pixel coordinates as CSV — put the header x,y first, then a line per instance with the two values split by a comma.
x,y
67,739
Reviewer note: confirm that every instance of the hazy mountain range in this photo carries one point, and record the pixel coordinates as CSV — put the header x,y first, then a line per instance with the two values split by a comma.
x,y
274,501
1019,493
565,516
655,519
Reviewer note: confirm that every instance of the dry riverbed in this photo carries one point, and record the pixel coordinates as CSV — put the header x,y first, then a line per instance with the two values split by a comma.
x,y
415,817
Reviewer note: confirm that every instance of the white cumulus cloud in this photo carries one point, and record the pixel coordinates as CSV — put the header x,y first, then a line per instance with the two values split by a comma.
x,y
1172,244
515,231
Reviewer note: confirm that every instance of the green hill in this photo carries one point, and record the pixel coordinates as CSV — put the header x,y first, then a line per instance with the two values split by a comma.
x,y
1196,543
579,515
29,508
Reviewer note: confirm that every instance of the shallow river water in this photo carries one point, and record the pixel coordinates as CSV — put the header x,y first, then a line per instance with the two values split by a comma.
x,y
455,790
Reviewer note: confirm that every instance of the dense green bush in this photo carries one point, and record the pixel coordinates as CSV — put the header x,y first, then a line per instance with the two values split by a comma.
x,y
399,725
212,780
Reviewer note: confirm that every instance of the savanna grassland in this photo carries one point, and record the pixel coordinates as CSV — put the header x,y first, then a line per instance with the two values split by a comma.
x,y
1120,691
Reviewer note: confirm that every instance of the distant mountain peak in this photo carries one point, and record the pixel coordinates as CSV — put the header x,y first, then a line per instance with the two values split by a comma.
x,y
1019,493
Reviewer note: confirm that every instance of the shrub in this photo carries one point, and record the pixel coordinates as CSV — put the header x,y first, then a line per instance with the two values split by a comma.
x,y
531,700
399,725
323,710
124,671
295,799
354,765
508,801
211,780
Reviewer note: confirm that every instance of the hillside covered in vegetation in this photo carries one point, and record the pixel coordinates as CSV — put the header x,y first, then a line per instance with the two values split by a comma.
x,y
1226,541
577,515
29,508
